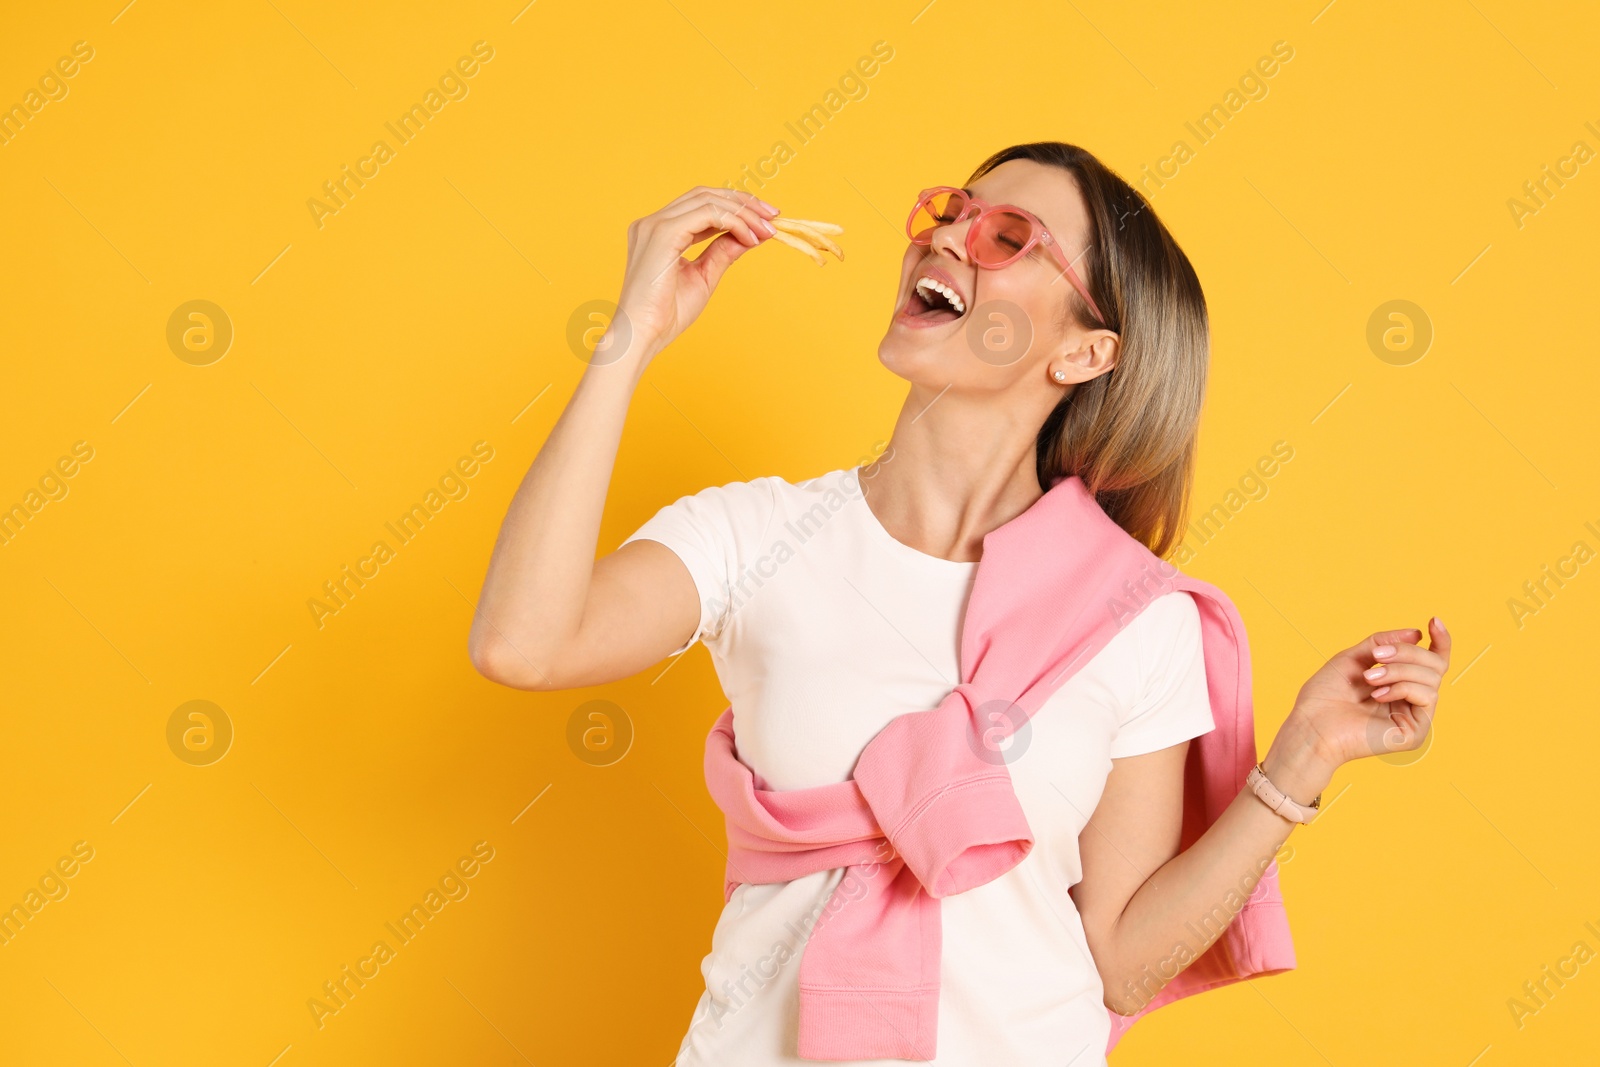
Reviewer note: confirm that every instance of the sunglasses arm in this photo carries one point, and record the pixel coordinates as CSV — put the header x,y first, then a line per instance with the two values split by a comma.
x,y
1072,276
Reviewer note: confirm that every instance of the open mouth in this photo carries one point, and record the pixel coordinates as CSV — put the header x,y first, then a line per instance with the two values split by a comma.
x,y
932,302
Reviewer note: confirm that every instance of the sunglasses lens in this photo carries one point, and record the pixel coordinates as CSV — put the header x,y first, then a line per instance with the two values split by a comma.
x,y
940,209
999,237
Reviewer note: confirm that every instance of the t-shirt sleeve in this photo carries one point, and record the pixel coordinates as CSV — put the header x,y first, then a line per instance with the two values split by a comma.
x,y
711,532
1174,704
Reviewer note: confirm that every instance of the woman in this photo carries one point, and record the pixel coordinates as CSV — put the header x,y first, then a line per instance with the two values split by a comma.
x,y
833,605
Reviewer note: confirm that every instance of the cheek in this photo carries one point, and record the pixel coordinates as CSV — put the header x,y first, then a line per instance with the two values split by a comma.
x,y
1025,281
1022,300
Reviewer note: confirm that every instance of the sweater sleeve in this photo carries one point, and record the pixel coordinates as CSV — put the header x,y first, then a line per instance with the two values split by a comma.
x,y
712,532
1174,704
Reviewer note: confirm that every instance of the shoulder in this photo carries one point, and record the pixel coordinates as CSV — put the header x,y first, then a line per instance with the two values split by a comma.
x,y
775,492
772,486
1168,638
1167,619
756,490
842,480
748,507
1173,702
1172,614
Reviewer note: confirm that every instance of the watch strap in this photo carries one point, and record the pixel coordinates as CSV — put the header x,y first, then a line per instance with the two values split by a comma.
x,y
1274,798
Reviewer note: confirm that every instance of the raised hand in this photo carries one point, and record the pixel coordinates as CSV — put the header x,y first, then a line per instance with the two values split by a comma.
x,y
1377,696
662,292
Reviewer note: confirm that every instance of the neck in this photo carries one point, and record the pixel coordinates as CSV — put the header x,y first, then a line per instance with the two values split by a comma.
x,y
955,469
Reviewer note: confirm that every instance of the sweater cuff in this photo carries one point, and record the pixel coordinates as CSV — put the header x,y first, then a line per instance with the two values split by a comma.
x,y
964,835
849,1024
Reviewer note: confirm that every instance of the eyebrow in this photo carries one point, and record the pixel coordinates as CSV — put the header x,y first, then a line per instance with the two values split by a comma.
x,y
969,192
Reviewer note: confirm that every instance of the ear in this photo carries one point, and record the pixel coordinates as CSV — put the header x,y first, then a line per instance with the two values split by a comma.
x,y
1095,353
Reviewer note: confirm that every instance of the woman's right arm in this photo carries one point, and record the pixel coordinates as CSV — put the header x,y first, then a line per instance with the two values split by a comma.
x,y
551,616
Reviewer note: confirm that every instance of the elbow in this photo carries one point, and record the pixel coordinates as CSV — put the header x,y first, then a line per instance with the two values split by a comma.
x,y
487,658
1128,995
516,665
1121,1007
1125,994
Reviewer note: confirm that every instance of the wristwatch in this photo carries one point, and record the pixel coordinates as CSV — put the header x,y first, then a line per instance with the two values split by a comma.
x,y
1258,781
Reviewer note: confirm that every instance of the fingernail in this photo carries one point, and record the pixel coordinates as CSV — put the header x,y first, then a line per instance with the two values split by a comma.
x,y
766,205
1441,624
767,226
1383,650
1380,691
1377,672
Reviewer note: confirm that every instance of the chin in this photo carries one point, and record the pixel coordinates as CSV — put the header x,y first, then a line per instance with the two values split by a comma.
x,y
920,359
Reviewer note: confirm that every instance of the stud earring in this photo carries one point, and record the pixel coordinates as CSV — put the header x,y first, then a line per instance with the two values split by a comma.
x,y
1061,375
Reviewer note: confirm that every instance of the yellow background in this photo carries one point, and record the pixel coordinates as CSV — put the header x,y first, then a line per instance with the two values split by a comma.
x,y
369,354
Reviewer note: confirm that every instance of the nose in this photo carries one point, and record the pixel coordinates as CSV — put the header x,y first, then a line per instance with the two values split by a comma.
x,y
951,239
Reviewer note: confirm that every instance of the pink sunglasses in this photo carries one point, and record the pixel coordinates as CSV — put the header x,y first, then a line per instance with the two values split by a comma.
x,y
999,236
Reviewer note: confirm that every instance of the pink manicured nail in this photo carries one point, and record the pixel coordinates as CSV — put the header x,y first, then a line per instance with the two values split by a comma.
x,y
1380,691
1376,672
1383,650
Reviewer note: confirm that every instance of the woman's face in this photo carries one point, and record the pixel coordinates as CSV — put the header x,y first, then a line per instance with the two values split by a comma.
x,y
1015,328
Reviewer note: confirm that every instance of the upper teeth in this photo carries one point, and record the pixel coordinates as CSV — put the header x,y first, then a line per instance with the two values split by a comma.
x,y
949,293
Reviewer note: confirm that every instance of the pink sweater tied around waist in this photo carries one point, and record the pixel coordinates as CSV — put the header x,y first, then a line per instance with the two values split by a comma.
x,y
930,811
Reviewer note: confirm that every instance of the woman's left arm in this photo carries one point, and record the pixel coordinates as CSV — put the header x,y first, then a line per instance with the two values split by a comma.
x,y
1149,910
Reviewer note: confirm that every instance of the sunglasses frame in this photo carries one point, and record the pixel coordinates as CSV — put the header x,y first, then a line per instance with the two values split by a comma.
x,y
1039,234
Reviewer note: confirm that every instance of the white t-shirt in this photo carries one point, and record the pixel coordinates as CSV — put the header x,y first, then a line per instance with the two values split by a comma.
x,y
823,628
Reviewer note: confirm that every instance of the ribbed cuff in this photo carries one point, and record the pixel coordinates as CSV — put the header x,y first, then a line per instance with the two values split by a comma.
x,y
848,1024
964,835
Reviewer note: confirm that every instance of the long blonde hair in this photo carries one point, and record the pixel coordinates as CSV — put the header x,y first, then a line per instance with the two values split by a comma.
x,y
1130,433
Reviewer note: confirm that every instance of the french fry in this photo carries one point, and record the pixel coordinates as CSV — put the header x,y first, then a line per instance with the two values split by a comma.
x,y
820,227
795,242
811,233
826,244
